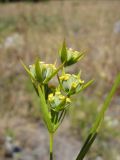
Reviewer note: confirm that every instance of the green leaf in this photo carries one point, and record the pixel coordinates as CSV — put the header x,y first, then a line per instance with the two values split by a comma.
x,y
63,52
38,71
27,70
96,126
105,106
45,111
90,139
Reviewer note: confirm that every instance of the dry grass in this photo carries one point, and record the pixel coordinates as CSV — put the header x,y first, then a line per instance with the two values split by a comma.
x,y
40,29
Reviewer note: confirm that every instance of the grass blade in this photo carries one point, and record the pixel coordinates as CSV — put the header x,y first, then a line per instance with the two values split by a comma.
x,y
96,126
89,141
105,106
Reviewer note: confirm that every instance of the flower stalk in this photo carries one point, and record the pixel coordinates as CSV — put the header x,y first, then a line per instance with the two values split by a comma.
x,y
51,145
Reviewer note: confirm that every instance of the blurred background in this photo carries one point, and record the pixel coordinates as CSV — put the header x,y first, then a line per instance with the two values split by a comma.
x,y
30,29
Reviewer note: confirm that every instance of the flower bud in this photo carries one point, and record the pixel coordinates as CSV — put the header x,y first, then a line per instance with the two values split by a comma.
x,y
58,102
41,71
71,84
69,56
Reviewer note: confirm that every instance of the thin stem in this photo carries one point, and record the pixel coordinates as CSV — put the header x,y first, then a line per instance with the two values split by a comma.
x,y
51,146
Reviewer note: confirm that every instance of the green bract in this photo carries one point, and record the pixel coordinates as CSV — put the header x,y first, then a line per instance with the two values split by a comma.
x,y
71,83
58,101
68,56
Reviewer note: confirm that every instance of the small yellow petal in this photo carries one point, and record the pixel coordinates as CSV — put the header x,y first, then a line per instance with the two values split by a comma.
x,y
81,81
62,97
68,100
57,93
65,77
50,95
74,85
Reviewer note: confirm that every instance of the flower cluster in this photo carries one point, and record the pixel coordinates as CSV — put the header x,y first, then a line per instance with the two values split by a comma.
x,y
71,83
56,101
68,56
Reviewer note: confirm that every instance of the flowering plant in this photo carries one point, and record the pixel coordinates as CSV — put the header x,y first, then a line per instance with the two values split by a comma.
x,y
55,101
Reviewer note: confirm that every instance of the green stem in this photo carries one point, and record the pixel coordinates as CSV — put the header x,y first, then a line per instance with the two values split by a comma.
x,y
51,146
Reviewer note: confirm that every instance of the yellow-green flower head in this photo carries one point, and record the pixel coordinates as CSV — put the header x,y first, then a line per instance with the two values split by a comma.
x,y
42,71
71,83
58,102
69,56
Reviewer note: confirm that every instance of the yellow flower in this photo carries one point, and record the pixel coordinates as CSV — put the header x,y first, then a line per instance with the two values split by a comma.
x,y
57,93
74,85
42,71
61,97
51,97
69,56
57,101
68,100
81,81
65,77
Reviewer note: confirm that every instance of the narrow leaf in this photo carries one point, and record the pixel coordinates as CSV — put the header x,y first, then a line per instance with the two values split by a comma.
x,y
96,126
106,104
89,141
44,110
